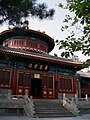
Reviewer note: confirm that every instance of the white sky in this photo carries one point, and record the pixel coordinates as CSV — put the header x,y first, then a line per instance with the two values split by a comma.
x,y
51,27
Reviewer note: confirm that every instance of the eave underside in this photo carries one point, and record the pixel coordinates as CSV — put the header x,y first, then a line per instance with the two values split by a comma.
x,y
34,55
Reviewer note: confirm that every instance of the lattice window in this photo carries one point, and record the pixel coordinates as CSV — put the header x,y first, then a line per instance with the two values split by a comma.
x,y
50,82
70,84
60,83
24,79
21,79
34,44
65,84
84,86
7,78
44,81
15,42
4,77
27,80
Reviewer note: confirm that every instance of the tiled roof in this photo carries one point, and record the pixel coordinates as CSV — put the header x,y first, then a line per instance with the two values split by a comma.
x,y
27,33
84,72
35,55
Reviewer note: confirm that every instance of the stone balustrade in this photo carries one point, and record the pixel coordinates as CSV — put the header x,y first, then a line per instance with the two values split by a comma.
x,y
83,102
17,101
29,106
70,105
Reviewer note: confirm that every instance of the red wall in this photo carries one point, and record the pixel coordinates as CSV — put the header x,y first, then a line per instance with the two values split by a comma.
x,y
27,44
52,84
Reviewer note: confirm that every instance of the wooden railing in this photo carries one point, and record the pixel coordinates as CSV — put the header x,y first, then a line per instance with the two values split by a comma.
x,y
71,106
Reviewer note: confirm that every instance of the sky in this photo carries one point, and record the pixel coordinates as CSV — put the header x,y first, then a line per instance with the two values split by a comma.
x,y
51,27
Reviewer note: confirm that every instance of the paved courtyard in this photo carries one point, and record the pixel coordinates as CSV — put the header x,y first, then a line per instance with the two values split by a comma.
x,y
83,117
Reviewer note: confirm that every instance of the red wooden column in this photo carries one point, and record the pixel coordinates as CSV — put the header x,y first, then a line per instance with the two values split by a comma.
x,y
75,85
14,80
56,85
51,86
44,86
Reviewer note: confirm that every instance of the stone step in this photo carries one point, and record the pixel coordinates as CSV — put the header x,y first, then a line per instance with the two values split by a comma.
x,y
50,108
53,115
11,112
54,111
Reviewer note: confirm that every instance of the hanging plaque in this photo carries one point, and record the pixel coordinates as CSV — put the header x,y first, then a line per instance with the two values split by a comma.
x,y
36,75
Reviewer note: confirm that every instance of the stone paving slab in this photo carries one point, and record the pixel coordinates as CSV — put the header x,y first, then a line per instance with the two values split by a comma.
x,y
83,117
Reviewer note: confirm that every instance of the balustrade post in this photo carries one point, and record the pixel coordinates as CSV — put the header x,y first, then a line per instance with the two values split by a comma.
x,y
31,98
87,99
9,96
76,98
72,103
63,96
26,93
64,99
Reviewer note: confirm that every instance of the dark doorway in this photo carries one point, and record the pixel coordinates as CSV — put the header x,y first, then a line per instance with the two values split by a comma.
x,y
36,87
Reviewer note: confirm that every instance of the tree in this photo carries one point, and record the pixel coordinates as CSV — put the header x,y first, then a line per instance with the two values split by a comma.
x,y
81,21
15,11
86,64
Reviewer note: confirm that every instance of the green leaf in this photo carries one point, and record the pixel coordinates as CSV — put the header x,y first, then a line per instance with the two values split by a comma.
x,y
79,19
60,5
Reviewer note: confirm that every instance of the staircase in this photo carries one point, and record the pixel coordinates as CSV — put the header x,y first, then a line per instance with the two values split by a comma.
x,y
50,109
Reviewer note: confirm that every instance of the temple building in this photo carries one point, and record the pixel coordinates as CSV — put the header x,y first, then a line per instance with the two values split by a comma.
x,y
84,81
25,64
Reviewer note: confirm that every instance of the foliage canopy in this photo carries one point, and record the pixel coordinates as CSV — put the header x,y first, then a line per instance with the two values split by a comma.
x,y
86,63
15,11
81,21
